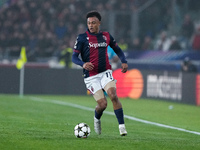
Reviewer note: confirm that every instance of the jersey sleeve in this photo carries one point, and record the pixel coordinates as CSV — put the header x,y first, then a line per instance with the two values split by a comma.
x,y
78,45
112,43
77,50
117,50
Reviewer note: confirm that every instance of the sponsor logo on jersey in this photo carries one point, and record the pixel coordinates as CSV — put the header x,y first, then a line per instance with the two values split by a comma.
x,y
95,45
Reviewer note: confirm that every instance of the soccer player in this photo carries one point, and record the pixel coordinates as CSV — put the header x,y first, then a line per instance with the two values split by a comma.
x,y
92,46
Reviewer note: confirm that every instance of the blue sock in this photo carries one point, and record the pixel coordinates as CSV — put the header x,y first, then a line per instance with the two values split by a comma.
x,y
120,115
98,116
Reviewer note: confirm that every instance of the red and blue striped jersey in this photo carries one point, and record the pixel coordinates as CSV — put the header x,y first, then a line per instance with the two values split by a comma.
x,y
93,48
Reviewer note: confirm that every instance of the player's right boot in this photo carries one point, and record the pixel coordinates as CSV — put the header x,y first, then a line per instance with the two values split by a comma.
x,y
122,130
97,126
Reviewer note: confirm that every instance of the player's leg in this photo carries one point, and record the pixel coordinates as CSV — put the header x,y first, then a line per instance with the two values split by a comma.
x,y
110,88
93,84
101,103
113,96
101,106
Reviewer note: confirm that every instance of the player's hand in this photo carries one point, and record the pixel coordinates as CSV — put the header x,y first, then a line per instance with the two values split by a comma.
x,y
88,66
124,67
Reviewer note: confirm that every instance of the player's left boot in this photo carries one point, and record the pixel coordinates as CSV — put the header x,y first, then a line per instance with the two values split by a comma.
x,y
122,130
97,125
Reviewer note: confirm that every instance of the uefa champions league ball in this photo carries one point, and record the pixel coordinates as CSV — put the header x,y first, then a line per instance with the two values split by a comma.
x,y
82,130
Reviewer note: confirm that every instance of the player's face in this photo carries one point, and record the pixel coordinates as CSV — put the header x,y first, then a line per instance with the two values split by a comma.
x,y
93,24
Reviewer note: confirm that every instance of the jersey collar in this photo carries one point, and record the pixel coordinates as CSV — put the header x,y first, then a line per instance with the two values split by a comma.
x,y
93,33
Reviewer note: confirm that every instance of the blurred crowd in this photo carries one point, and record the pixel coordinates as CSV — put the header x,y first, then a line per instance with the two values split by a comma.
x,y
48,27
187,39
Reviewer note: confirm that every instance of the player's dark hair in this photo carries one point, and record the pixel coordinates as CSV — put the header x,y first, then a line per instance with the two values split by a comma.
x,y
93,13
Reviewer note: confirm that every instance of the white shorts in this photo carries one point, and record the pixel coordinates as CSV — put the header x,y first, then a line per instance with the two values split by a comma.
x,y
99,81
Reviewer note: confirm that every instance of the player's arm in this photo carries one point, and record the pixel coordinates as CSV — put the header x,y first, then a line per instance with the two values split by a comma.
x,y
122,57
77,50
117,50
76,59
86,65
75,56
119,53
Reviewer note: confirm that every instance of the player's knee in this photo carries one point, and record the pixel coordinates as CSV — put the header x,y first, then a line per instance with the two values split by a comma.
x,y
113,96
102,104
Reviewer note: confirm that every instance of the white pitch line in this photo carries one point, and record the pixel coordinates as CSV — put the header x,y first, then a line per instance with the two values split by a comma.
x,y
111,113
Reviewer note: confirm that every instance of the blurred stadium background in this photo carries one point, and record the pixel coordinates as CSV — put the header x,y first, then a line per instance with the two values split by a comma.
x,y
48,30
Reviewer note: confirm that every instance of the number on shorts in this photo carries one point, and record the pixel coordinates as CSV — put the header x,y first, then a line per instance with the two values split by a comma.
x,y
108,74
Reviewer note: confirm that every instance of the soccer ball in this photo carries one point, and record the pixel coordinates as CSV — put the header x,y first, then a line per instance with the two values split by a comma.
x,y
82,130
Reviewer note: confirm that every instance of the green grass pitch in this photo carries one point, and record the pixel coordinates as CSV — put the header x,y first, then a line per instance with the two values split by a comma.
x,y
38,122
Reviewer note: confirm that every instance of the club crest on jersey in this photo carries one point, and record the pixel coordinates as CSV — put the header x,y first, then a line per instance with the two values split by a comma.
x,y
104,37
